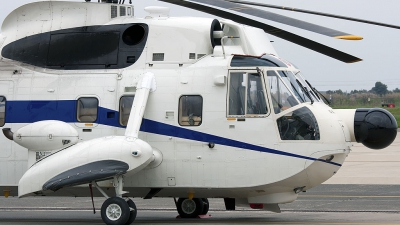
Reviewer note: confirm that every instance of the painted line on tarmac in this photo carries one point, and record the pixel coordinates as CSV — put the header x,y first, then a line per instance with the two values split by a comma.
x,y
60,209
348,196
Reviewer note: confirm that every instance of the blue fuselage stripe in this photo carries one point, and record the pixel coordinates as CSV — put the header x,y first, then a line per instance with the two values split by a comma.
x,y
65,110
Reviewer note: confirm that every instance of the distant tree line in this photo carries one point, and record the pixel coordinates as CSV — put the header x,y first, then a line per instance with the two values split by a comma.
x,y
379,89
376,97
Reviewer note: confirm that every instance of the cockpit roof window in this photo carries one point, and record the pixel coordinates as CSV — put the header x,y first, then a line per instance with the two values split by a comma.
x,y
247,61
274,60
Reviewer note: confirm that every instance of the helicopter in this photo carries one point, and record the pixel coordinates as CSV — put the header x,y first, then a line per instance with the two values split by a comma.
x,y
97,102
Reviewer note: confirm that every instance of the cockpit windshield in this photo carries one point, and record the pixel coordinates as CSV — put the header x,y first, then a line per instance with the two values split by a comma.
x,y
282,98
295,86
307,85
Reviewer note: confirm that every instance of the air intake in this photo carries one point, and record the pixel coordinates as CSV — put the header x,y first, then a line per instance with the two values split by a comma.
x,y
158,56
114,11
122,11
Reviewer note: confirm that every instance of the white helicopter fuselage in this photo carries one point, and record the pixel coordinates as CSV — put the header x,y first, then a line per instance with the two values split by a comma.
x,y
215,154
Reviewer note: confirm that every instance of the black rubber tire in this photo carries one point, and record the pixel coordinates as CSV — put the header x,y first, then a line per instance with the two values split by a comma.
x,y
133,213
198,203
124,207
206,206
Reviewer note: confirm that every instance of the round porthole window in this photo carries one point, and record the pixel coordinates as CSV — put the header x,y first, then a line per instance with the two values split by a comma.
x,y
133,35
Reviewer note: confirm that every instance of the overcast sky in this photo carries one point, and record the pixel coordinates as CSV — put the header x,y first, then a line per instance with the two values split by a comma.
x,y
380,49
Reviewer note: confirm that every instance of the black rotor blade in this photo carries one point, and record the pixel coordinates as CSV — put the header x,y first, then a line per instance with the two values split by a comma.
x,y
307,43
315,13
280,19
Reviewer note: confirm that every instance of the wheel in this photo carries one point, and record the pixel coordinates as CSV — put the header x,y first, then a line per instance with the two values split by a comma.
x,y
190,208
206,205
115,211
133,212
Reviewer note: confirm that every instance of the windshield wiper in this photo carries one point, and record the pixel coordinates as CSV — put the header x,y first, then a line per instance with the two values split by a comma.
x,y
318,93
259,71
305,91
313,89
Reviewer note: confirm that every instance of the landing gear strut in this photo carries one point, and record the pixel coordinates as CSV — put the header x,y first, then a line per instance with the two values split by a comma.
x,y
192,208
116,210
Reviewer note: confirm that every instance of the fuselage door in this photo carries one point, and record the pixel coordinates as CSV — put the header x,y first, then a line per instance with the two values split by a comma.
x,y
6,94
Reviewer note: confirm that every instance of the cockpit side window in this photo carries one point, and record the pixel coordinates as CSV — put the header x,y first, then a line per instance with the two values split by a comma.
x,y
87,109
246,95
282,98
2,110
256,102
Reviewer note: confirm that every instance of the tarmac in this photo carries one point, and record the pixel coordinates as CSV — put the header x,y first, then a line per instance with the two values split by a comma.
x,y
367,166
366,190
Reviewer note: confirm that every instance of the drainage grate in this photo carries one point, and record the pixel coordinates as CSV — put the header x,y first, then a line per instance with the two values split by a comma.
x,y
114,11
158,56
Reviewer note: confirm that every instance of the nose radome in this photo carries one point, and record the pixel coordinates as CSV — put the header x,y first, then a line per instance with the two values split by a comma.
x,y
375,128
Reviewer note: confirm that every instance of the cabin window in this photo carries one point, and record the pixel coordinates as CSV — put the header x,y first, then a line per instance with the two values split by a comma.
x,y
125,106
190,110
2,110
246,95
282,98
87,109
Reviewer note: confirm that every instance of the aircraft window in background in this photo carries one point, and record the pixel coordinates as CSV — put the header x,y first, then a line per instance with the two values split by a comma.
x,y
87,108
2,110
246,95
298,125
125,106
190,110
282,98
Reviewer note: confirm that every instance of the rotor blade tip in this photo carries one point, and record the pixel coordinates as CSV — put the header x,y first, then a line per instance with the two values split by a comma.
x,y
350,37
354,61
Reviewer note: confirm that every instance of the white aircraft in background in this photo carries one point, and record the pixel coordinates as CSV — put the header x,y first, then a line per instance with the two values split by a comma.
x,y
190,108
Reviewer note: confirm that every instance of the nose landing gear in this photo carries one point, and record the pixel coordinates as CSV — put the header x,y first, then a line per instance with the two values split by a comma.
x,y
116,210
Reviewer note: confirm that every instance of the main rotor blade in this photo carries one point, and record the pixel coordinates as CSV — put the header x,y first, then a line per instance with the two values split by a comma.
x,y
315,13
280,19
307,43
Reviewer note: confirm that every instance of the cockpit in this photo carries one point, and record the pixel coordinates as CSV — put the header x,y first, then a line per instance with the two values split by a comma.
x,y
261,86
